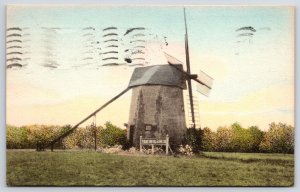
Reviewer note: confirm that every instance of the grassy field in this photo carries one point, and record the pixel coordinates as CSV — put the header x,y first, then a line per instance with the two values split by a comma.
x,y
79,168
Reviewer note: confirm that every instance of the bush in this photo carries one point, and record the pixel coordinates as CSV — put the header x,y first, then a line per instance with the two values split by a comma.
x,y
41,135
112,135
83,138
26,137
107,136
208,140
193,139
278,139
17,137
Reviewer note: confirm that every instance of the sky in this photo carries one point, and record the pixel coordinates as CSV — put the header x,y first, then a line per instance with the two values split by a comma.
x,y
63,78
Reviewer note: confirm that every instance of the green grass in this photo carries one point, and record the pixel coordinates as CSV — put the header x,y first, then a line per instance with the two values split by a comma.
x,y
80,168
275,158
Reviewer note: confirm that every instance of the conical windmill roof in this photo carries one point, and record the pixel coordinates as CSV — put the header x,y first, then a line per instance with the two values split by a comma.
x,y
158,75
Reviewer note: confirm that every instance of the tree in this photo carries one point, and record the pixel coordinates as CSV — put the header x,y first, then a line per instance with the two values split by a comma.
x,y
279,138
257,136
224,137
242,140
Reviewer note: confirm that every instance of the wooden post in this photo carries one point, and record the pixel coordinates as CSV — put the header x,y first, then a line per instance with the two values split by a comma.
x,y
141,147
152,146
95,139
167,144
95,132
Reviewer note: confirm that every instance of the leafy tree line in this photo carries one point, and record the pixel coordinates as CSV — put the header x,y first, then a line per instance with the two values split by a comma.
x,y
279,138
28,137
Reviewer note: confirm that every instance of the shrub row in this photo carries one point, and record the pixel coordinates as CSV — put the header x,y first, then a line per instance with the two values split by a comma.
x,y
30,136
278,139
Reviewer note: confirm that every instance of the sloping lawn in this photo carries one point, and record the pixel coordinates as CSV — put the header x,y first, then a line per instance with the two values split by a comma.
x,y
89,168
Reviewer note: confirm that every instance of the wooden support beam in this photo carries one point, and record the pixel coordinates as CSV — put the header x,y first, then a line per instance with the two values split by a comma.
x,y
85,119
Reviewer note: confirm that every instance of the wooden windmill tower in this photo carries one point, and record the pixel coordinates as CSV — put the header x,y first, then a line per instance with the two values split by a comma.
x,y
157,105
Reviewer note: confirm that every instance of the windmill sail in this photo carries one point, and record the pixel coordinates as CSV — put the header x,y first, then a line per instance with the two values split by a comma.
x,y
203,89
207,83
171,59
205,79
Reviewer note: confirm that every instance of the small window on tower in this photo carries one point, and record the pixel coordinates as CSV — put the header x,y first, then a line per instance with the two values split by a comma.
x,y
148,127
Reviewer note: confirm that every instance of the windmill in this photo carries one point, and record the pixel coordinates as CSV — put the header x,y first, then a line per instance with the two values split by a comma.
x,y
157,107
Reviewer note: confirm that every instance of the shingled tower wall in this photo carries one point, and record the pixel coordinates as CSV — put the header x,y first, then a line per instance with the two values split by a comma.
x,y
157,106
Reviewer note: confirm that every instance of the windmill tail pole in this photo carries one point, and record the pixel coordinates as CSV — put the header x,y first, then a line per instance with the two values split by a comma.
x,y
85,119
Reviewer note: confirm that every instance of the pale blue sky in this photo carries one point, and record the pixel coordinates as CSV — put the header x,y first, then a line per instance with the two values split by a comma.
x,y
254,68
